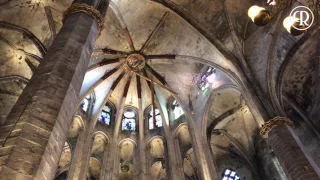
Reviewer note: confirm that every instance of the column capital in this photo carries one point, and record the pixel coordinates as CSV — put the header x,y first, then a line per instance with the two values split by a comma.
x,y
276,121
85,8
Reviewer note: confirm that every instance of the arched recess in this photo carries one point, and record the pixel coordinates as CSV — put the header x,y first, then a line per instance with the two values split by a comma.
x,y
98,149
223,101
158,171
235,156
236,164
76,126
20,54
235,136
100,139
182,133
299,47
230,126
298,91
189,165
152,123
127,156
296,78
175,112
94,168
42,49
157,158
64,162
186,155
70,150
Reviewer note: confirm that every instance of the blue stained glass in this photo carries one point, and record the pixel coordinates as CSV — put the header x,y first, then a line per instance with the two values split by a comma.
x,y
129,120
230,175
128,124
82,104
85,105
105,115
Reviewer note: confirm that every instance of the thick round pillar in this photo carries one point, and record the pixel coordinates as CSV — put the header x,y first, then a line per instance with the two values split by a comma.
x,y
292,160
106,155
33,136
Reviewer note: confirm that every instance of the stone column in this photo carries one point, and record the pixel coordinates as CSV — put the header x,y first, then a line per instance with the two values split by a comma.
x,y
202,151
87,152
142,142
114,172
173,167
76,157
148,161
178,157
110,161
106,154
136,164
292,160
36,128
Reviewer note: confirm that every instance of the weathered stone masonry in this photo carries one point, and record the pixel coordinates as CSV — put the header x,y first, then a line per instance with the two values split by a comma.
x,y
35,130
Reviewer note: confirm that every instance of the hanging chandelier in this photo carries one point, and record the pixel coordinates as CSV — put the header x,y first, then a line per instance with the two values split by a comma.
x,y
294,25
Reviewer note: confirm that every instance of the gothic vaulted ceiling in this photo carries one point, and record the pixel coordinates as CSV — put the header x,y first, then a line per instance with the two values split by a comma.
x,y
178,51
177,41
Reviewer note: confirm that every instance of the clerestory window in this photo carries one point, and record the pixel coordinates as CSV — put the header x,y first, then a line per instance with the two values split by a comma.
x,y
129,120
230,174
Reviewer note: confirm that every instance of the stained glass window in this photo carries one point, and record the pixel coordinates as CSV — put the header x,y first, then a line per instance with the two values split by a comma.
x,y
230,175
157,117
207,78
177,110
105,115
85,103
129,120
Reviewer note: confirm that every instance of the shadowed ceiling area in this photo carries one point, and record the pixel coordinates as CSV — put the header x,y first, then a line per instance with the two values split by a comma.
x,y
167,40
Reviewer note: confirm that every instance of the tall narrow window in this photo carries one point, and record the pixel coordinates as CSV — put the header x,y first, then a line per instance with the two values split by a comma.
x,y
230,174
85,103
177,110
129,120
105,115
207,78
157,118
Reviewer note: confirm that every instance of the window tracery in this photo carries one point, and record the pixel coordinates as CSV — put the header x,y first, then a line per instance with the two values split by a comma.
x,y
207,79
157,118
129,120
176,110
105,115
230,174
85,103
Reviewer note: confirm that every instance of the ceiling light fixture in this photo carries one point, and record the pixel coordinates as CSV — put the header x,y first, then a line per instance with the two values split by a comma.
x,y
295,26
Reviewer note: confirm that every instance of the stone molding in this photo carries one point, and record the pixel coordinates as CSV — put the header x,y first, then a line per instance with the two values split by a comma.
x,y
85,8
276,121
